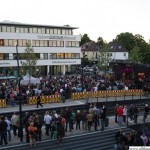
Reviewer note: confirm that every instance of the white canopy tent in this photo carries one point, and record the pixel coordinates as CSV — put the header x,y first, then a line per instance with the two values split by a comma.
x,y
29,79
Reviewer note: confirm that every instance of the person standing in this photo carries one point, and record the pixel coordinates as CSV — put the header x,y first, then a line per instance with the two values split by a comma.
x,y
47,120
8,128
89,118
146,111
116,116
14,123
120,115
103,117
124,113
32,134
39,101
3,130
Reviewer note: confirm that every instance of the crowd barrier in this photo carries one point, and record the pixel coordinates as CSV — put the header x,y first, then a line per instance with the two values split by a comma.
x,y
45,99
2,103
103,94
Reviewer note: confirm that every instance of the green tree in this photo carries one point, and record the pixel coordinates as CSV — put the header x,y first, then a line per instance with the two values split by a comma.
x,y
85,38
103,58
29,58
135,55
127,40
100,42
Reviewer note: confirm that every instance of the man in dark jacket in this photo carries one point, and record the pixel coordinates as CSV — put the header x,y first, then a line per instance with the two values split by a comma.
x,y
3,130
103,117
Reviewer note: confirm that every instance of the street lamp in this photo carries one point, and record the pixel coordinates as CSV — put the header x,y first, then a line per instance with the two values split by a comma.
x,y
19,96
82,69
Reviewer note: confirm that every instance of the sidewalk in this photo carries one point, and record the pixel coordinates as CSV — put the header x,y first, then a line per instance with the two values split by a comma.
x,y
16,140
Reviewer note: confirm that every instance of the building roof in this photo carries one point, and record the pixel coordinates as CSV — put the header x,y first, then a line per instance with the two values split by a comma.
x,y
113,47
6,22
116,47
89,46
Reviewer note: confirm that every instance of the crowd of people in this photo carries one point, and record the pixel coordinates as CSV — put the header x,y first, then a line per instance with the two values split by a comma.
x,y
63,85
56,124
133,138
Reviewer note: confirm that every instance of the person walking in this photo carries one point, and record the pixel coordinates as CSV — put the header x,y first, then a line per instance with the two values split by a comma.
x,y
39,101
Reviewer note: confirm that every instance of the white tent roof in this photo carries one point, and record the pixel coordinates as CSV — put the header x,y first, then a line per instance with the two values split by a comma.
x,y
29,79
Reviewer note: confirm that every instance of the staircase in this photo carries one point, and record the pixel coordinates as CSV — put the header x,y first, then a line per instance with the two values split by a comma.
x,y
100,140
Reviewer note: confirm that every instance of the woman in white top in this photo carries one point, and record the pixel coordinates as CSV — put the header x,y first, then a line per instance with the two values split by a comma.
x,y
124,113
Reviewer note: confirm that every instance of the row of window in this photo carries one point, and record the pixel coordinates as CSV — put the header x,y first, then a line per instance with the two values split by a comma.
x,y
38,30
10,56
39,43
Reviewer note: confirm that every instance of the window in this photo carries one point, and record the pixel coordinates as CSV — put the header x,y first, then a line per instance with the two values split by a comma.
x,y
67,32
62,43
77,44
59,31
39,30
33,43
70,32
1,42
54,43
45,43
53,56
63,31
30,30
14,42
37,43
8,29
1,56
68,55
6,42
73,44
3,28
5,56
58,43
50,43
0,29
10,42
20,43
43,30
51,31
22,30
34,30
24,43
60,55
45,55
25,30
124,54
47,31
12,29
55,31
68,43
17,29
41,43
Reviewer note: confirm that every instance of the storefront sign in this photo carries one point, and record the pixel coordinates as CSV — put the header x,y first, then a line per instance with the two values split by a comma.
x,y
64,62
56,37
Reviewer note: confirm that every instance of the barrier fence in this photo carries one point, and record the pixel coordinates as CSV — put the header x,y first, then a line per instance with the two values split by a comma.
x,y
103,94
33,100
80,95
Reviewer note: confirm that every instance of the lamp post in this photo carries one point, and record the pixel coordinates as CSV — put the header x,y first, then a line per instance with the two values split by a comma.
x,y
19,96
82,70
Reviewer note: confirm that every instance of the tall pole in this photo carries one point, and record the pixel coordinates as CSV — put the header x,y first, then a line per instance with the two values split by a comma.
x,y
19,96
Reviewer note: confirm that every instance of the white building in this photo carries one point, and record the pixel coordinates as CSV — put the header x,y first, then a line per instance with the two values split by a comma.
x,y
56,48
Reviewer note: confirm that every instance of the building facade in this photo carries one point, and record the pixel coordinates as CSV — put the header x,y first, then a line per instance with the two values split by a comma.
x,y
56,48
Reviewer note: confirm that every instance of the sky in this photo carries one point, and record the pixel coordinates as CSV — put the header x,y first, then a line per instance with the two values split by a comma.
x,y
97,18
